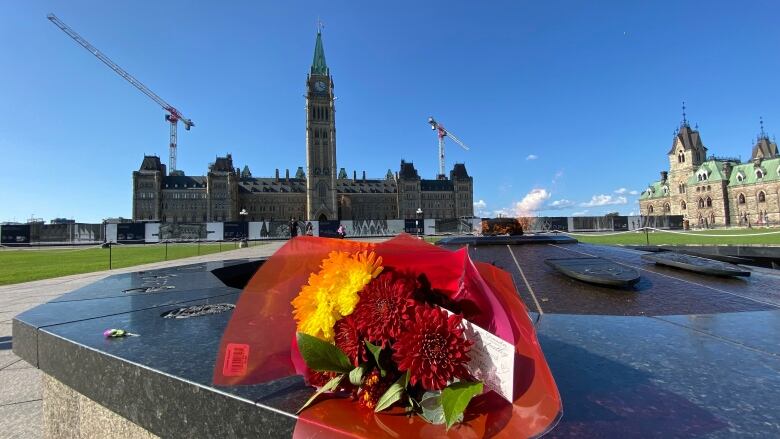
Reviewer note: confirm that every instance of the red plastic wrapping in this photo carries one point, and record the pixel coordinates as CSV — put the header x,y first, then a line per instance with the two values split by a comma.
x,y
486,295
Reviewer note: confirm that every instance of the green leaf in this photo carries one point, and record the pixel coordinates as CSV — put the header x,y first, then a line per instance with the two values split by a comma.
x,y
321,355
356,376
430,407
456,397
391,396
330,385
375,352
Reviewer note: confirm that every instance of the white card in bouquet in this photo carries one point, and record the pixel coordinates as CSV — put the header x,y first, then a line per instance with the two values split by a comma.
x,y
492,360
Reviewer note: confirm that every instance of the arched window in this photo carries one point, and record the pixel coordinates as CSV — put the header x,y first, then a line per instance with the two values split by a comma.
x,y
740,177
741,199
667,208
666,190
701,203
709,202
761,197
649,209
681,157
759,173
683,206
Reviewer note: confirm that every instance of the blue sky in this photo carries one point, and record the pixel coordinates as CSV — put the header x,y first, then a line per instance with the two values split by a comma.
x,y
567,106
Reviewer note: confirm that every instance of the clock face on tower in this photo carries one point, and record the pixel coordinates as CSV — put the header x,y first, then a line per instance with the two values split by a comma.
x,y
320,86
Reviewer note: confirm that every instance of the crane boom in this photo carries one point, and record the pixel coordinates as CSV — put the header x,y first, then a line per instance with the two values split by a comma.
x,y
442,133
173,115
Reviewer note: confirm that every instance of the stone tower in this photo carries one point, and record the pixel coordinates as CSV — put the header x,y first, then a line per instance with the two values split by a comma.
x,y
320,140
685,156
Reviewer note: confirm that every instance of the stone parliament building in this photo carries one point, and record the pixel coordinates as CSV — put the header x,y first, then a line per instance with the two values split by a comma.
x,y
716,191
320,192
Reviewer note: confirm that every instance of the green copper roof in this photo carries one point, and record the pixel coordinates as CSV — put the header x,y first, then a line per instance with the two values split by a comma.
x,y
318,66
714,170
770,170
655,190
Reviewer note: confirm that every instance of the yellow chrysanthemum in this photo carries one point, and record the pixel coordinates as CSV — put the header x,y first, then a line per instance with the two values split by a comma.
x,y
332,293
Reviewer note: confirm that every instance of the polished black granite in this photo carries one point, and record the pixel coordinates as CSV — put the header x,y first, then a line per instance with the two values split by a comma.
x,y
637,377
507,240
680,355
597,271
660,290
696,264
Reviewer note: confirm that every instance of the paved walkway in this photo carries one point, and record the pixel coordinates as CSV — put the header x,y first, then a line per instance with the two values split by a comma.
x,y
20,383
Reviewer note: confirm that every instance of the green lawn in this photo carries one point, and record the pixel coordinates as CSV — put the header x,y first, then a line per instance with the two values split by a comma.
x,y
693,237
22,265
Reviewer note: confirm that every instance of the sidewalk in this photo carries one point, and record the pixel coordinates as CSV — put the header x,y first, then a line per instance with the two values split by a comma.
x,y
20,383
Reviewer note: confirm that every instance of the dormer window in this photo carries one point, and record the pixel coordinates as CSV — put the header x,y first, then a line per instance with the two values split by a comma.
x,y
666,190
702,175
759,174
740,177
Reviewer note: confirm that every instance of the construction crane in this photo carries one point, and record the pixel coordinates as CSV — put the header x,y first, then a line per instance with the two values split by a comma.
x,y
442,132
173,117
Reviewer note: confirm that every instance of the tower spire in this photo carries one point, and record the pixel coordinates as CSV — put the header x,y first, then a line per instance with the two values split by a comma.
x,y
684,119
761,122
318,65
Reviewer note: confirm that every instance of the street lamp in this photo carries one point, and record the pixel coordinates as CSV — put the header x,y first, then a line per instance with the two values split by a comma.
x,y
244,231
417,221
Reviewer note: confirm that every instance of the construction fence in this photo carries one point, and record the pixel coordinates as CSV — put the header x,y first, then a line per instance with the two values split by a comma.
x,y
152,232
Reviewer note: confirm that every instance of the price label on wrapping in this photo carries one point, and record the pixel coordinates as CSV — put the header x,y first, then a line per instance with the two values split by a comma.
x,y
236,360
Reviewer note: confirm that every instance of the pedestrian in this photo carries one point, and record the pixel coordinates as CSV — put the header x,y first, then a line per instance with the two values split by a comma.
x,y
293,228
341,231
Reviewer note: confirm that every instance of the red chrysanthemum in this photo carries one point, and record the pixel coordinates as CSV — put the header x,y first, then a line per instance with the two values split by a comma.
x,y
432,347
383,303
349,339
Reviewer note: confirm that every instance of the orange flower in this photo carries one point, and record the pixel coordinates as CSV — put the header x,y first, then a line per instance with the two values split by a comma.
x,y
332,293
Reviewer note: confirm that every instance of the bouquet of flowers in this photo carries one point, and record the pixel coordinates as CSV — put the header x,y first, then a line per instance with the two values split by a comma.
x,y
380,334
383,330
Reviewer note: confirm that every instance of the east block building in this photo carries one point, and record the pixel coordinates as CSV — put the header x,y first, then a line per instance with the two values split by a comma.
x,y
321,191
716,191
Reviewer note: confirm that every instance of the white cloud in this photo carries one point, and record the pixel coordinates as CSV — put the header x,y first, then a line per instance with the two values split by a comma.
x,y
532,157
582,213
621,191
604,200
479,207
633,192
560,204
532,202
